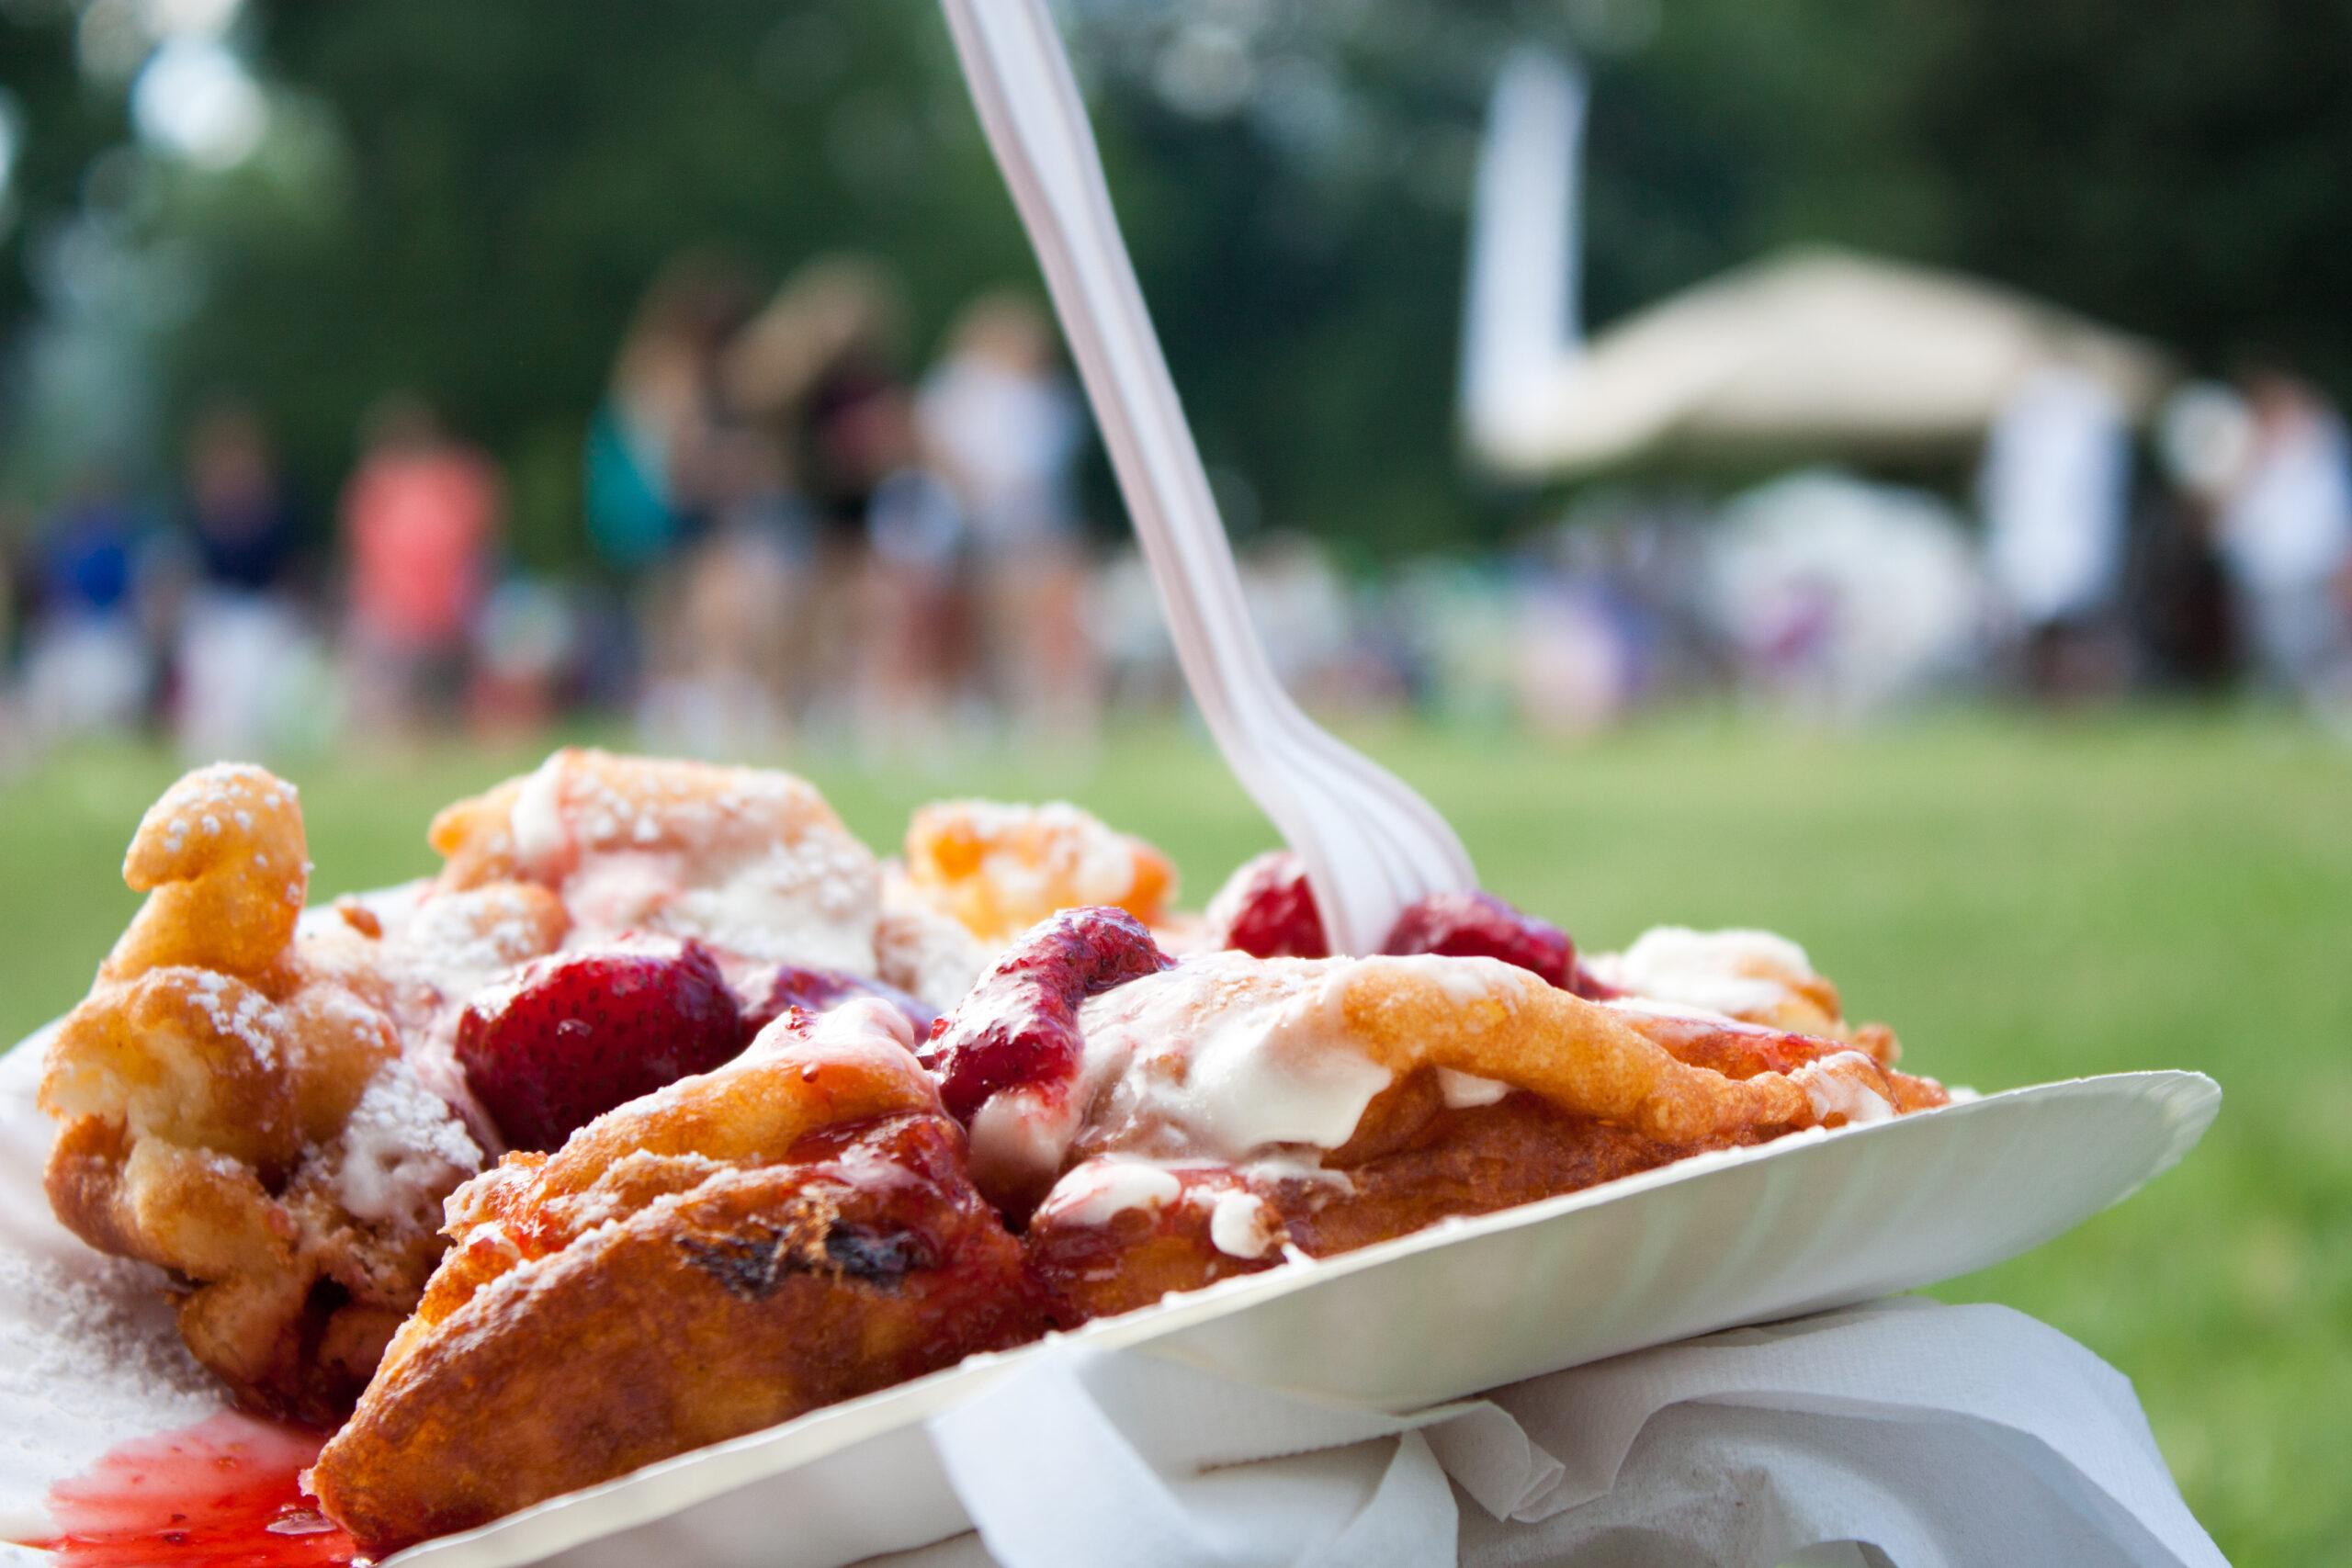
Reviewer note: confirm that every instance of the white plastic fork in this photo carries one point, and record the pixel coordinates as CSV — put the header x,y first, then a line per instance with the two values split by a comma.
x,y
1370,844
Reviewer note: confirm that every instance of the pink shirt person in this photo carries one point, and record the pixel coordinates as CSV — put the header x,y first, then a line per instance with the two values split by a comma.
x,y
419,517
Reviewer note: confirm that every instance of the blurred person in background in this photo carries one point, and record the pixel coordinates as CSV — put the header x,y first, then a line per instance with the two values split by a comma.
x,y
921,654
1299,602
420,517
650,440
2285,533
819,369
240,629
650,450
89,660
14,526
725,681
2178,600
525,644
1589,629
1005,427
1843,598
2054,488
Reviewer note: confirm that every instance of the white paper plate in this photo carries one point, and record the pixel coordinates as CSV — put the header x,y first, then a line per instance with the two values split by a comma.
x,y
1808,1222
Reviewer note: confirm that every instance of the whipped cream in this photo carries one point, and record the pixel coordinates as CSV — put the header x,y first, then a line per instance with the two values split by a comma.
x,y
1240,1223
535,822
1837,1085
1225,1058
1466,1091
1243,1224
1102,1189
761,871
1733,973
1233,1054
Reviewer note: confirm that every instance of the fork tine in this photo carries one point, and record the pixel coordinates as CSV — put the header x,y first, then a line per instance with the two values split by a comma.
x,y
1371,845
1437,855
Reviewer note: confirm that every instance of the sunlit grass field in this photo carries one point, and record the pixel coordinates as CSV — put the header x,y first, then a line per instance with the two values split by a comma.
x,y
2023,899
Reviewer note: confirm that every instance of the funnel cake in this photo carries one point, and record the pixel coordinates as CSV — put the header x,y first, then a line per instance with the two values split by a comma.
x,y
979,1098
269,1104
1001,869
238,1104
1187,1122
753,863
727,1253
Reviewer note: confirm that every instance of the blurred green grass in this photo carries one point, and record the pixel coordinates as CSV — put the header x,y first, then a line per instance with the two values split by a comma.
x,y
2025,898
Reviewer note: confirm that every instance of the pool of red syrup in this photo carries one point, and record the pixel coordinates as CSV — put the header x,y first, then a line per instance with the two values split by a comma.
x,y
221,1494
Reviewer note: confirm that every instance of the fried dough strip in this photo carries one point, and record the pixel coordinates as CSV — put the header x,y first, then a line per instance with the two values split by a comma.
x,y
602,801
1511,1026
786,1087
222,860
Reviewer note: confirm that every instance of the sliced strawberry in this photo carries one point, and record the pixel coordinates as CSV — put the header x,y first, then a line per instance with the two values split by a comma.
x,y
1018,1028
1479,925
1267,910
767,996
574,1034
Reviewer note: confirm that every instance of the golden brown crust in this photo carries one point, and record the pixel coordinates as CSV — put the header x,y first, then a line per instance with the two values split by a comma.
x,y
222,861
793,1229
1508,1025
589,801
1591,1059
267,1111
473,839
1416,1162
751,862
208,1091
798,1226
763,1293
1575,1093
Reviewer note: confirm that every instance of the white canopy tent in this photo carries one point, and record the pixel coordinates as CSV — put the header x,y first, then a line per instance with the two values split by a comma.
x,y
1816,352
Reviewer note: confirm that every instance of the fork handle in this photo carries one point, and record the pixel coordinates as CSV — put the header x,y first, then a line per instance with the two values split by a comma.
x,y
1370,844
1036,125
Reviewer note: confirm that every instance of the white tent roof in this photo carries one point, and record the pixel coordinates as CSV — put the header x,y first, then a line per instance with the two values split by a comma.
x,y
1816,350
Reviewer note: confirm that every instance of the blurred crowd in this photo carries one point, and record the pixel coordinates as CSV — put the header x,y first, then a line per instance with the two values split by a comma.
x,y
817,538
789,528
795,530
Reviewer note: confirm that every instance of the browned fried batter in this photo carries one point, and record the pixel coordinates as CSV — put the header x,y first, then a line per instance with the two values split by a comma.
x,y
221,1091
1414,1162
272,1111
1575,1093
793,1229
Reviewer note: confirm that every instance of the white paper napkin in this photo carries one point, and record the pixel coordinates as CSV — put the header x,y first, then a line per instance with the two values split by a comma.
x,y
1934,1435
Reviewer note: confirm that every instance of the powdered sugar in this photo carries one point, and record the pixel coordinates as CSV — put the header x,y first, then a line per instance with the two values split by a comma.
x,y
464,938
1083,858
814,901
752,862
246,1020
402,1150
926,954
91,1347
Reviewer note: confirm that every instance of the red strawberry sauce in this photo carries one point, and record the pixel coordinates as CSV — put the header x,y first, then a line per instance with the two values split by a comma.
x,y
221,1494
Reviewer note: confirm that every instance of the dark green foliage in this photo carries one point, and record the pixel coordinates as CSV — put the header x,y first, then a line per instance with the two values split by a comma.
x,y
475,194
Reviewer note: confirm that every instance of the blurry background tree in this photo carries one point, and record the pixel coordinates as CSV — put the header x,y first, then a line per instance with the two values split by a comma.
x,y
315,204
